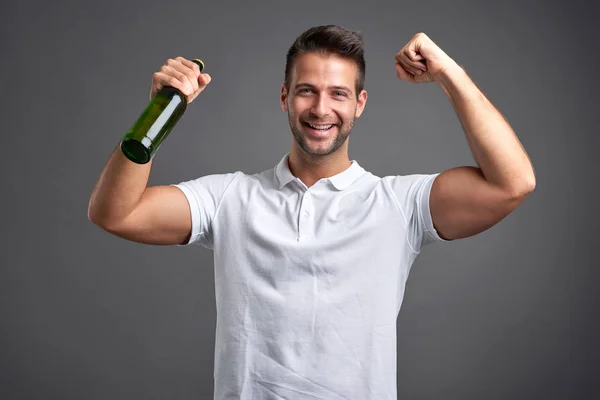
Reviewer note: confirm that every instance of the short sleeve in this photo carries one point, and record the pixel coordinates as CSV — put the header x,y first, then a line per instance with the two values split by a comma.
x,y
204,196
412,194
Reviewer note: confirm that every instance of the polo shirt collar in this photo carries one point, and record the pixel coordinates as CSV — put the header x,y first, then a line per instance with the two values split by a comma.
x,y
340,181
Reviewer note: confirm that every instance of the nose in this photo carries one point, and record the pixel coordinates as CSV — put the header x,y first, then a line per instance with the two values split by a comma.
x,y
320,107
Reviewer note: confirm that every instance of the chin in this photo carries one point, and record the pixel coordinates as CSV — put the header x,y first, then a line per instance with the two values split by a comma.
x,y
319,149
313,145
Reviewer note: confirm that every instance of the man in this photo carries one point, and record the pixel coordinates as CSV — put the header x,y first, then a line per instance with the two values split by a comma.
x,y
311,256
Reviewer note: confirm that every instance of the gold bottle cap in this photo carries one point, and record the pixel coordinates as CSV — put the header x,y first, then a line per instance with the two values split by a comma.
x,y
199,62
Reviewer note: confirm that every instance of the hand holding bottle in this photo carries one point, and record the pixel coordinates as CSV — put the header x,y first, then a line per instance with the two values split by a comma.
x,y
177,84
182,74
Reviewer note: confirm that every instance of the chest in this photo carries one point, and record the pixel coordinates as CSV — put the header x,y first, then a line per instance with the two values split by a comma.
x,y
318,215
335,231
297,252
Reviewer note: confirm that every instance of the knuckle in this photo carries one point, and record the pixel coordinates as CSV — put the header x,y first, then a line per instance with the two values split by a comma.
x,y
192,77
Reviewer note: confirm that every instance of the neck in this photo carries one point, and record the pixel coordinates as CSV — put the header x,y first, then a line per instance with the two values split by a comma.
x,y
309,168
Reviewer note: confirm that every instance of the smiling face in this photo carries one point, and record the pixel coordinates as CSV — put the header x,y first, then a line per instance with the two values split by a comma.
x,y
321,102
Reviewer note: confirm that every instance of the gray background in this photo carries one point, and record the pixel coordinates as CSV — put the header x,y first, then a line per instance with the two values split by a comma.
x,y
508,314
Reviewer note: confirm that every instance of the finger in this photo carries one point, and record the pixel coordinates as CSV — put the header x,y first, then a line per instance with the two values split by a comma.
x,y
197,77
414,65
179,65
413,55
179,80
190,64
161,79
188,72
402,73
416,59
408,67
204,79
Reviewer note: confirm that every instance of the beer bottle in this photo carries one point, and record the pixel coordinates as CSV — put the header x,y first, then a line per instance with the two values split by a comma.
x,y
155,123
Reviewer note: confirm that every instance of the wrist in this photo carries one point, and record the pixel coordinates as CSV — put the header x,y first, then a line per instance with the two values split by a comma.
x,y
452,77
451,73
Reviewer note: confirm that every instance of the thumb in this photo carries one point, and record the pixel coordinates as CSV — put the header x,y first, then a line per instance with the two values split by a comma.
x,y
204,79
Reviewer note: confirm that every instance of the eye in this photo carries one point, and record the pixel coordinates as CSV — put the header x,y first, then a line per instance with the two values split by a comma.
x,y
340,94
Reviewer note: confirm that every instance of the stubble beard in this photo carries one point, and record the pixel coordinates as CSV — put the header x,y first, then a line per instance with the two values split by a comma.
x,y
343,131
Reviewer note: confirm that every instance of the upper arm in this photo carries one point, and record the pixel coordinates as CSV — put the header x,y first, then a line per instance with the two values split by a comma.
x,y
463,203
176,214
163,217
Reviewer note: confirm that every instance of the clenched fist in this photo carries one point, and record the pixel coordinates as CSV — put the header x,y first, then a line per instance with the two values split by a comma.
x,y
181,74
421,60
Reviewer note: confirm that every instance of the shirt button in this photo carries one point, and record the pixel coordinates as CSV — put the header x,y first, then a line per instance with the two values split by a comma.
x,y
306,214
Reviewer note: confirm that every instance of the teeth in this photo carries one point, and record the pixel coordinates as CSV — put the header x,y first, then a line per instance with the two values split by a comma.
x,y
320,127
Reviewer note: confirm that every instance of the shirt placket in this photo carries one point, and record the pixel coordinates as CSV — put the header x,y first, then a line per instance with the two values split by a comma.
x,y
306,217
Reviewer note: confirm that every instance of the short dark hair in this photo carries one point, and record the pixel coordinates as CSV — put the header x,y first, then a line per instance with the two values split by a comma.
x,y
329,39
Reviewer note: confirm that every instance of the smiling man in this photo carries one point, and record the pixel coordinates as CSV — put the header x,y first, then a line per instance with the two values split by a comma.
x,y
312,256
322,103
322,94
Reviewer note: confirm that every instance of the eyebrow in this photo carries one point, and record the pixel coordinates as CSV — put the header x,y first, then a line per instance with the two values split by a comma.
x,y
336,87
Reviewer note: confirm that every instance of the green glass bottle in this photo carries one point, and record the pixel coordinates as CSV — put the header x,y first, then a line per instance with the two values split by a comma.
x,y
153,126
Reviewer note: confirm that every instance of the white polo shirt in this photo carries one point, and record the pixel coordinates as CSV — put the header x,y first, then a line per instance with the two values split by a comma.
x,y
309,281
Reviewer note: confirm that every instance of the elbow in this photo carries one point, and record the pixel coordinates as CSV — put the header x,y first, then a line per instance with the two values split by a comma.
x,y
528,185
523,189
95,218
104,224
523,183
107,222
529,182
531,186
93,213
99,218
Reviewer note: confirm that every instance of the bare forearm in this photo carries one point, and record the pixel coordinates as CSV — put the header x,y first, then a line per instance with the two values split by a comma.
x,y
495,146
118,190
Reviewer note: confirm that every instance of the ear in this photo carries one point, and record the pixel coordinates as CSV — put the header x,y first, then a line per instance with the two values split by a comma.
x,y
361,103
283,98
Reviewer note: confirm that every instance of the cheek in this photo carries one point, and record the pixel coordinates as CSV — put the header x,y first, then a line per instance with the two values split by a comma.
x,y
347,115
293,108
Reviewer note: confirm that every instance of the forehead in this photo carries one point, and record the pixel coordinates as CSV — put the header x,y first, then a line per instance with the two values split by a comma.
x,y
323,69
